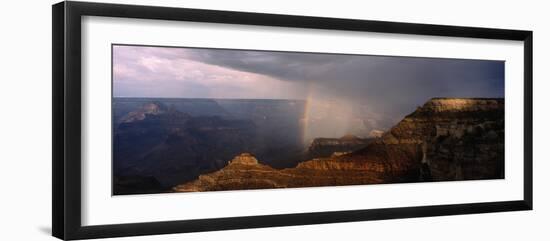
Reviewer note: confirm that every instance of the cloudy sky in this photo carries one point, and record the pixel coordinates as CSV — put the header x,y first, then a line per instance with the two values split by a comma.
x,y
392,86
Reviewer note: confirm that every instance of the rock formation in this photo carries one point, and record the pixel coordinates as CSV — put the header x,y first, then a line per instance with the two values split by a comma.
x,y
376,133
458,139
325,147
446,139
244,172
141,113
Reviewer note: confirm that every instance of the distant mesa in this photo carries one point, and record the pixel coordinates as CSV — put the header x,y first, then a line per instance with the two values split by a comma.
x,y
325,147
376,133
153,108
340,153
349,137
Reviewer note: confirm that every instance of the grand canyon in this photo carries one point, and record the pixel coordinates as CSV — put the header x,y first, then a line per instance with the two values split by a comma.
x,y
165,145
195,119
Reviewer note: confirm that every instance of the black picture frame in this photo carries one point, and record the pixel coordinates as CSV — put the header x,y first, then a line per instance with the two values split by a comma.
x,y
66,75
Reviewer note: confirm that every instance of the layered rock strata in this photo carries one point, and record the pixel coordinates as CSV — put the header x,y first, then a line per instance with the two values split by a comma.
x,y
446,139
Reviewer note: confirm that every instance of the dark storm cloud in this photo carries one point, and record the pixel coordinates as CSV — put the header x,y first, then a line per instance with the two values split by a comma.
x,y
387,87
283,65
393,85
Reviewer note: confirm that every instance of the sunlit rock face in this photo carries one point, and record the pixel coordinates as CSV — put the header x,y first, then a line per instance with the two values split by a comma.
x,y
244,159
461,105
443,140
462,139
376,133
243,172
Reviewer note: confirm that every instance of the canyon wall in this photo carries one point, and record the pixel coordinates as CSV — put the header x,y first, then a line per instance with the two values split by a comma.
x,y
446,139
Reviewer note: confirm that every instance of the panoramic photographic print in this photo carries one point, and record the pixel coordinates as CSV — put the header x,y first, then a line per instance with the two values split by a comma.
x,y
202,119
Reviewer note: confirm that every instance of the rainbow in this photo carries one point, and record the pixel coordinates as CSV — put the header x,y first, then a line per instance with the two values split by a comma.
x,y
306,116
